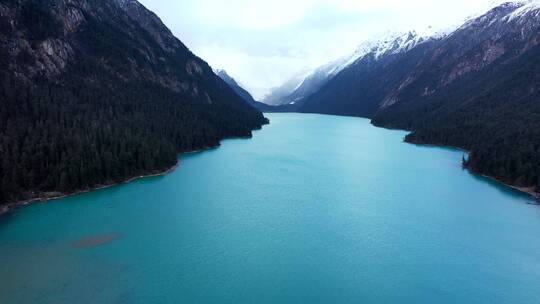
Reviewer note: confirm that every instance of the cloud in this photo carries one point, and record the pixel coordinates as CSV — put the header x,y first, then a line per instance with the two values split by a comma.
x,y
263,43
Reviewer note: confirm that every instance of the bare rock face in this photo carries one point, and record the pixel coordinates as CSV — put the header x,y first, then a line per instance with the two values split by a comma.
x,y
36,37
192,68
73,19
151,23
44,38
54,54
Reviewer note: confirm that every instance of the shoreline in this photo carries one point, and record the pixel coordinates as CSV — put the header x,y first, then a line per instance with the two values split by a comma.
x,y
7,208
530,191
525,190
49,196
57,195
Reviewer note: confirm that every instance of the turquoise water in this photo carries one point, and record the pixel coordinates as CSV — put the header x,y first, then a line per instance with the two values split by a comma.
x,y
313,209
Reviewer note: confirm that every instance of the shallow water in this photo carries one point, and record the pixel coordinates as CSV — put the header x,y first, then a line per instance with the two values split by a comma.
x,y
313,209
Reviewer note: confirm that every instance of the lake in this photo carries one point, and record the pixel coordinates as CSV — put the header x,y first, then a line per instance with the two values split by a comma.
x,y
312,209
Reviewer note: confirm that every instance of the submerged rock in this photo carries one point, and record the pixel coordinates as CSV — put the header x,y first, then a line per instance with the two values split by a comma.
x,y
96,241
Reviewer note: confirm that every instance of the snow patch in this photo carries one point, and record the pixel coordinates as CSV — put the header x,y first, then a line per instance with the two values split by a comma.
x,y
525,7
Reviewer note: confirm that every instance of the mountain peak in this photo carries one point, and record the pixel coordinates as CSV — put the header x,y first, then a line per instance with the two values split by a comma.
x,y
235,86
522,8
223,73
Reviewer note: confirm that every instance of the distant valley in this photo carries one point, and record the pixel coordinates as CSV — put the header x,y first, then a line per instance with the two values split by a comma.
x,y
476,88
131,96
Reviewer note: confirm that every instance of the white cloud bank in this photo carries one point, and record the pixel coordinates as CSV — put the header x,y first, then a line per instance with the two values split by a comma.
x,y
263,43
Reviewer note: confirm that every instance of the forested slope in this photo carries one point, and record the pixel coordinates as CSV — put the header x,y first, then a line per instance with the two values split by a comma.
x,y
97,92
495,114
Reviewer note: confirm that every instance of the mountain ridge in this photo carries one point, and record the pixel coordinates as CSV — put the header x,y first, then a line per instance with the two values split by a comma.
x,y
245,94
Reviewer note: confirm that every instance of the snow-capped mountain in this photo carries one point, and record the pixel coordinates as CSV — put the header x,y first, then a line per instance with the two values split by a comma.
x,y
376,48
524,8
389,71
390,43
279,95
477,88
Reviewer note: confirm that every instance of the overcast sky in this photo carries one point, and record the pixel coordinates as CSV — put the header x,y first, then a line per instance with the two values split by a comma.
x,y
263,43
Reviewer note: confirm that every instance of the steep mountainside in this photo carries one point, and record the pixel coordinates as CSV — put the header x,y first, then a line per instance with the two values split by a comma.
x,y
484,97
378,70
279,96
236,87
311,84
97,92
476,88
390,44
495,114
247,96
